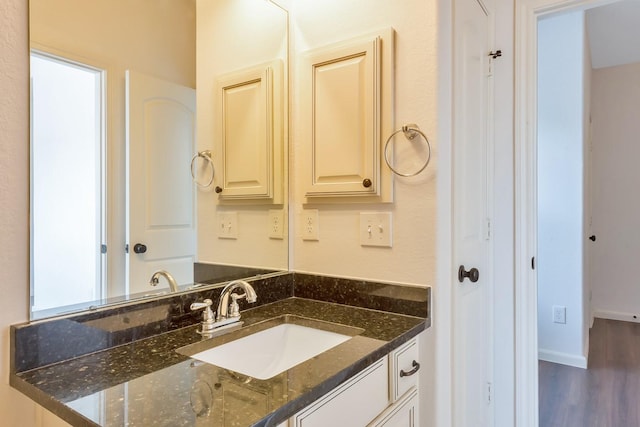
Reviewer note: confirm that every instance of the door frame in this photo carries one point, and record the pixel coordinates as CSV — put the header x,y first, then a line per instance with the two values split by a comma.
x,y
527,14
103,132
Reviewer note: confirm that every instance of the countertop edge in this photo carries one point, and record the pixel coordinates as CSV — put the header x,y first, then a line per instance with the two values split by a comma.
x,y
49,403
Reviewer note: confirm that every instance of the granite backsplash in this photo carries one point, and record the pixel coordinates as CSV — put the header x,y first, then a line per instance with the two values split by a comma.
x,y
46,342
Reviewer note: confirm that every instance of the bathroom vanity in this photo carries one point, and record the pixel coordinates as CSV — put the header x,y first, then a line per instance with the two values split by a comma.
x,y
144,375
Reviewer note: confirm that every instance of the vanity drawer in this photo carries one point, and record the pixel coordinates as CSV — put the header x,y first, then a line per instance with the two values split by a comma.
x,y
404,365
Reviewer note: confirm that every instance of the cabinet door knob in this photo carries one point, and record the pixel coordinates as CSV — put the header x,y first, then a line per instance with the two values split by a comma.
x,y
593,238
218,189
366,182
416,367
472,274
139,248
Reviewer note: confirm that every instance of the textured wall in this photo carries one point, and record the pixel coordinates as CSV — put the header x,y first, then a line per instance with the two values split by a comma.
x,y
338,251
16,409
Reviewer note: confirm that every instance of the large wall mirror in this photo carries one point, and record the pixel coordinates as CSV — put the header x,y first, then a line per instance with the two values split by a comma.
x,y
127,160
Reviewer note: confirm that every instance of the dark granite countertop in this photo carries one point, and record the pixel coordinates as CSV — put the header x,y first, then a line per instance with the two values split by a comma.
x,y
148,383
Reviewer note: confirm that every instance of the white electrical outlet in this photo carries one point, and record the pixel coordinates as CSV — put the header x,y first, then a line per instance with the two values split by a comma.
x,y
559,314
375,229
276,224
227,225
309,223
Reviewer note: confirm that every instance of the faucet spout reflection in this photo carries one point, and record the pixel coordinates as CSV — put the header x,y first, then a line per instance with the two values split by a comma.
x,y
155,279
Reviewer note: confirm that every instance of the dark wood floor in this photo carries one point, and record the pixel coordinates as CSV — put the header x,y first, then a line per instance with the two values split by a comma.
x,y
607,394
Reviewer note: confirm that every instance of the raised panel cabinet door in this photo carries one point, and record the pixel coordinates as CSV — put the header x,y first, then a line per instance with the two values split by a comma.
x,y
402,414
344,116
250,133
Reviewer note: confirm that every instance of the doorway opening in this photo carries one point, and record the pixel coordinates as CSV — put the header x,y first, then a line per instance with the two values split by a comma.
x,y
67,183
573,310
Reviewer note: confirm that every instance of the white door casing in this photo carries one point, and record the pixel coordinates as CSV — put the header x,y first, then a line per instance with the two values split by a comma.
x,y
525,119
472,321
160,123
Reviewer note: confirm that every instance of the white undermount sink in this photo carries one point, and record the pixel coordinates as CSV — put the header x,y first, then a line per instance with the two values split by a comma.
x,y
267,353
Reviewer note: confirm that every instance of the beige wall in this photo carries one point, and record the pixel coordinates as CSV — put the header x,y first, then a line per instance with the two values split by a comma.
x,y
338,251
153,38
412,259
15,409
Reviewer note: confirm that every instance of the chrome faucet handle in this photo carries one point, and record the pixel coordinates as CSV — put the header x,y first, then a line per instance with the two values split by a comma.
x,y
200,305
234,308
208,319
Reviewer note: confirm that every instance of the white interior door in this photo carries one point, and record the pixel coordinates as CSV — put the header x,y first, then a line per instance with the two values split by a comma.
x,y
160,200
472,305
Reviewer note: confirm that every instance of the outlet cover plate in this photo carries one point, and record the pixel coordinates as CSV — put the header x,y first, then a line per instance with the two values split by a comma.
x,y
559,314
309,223
276,224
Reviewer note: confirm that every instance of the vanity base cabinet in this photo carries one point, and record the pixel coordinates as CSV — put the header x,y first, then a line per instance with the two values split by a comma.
x,y
354,403
383,395
403,413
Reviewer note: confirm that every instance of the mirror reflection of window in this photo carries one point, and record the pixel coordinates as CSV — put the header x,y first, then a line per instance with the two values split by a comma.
x,y
67,197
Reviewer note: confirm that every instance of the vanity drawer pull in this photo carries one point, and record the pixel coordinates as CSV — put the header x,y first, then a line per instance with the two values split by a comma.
x,y
416,367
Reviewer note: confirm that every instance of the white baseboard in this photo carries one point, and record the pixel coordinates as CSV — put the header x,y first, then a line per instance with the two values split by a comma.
x,y
615,315
562,358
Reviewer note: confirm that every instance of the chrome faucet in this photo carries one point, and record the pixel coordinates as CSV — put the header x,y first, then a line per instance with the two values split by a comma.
x,y
155,279
226,311
226,314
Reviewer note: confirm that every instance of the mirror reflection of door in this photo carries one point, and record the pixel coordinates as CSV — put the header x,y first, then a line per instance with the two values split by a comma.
x,y
67,183
161,195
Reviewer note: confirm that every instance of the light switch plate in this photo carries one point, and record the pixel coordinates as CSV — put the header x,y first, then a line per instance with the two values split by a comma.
x,y
309,221
276,224
227,225
376,229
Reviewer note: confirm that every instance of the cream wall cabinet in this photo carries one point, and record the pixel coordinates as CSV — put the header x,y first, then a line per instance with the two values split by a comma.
x,y
347,99
249,149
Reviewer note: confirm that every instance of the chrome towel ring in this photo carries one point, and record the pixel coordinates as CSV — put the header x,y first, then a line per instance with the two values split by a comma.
x,y
411,131
206,155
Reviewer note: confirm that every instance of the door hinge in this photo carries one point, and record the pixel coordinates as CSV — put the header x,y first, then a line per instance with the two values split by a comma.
x,y
492,55
126,248
103,249
487,229
533,263
489,392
